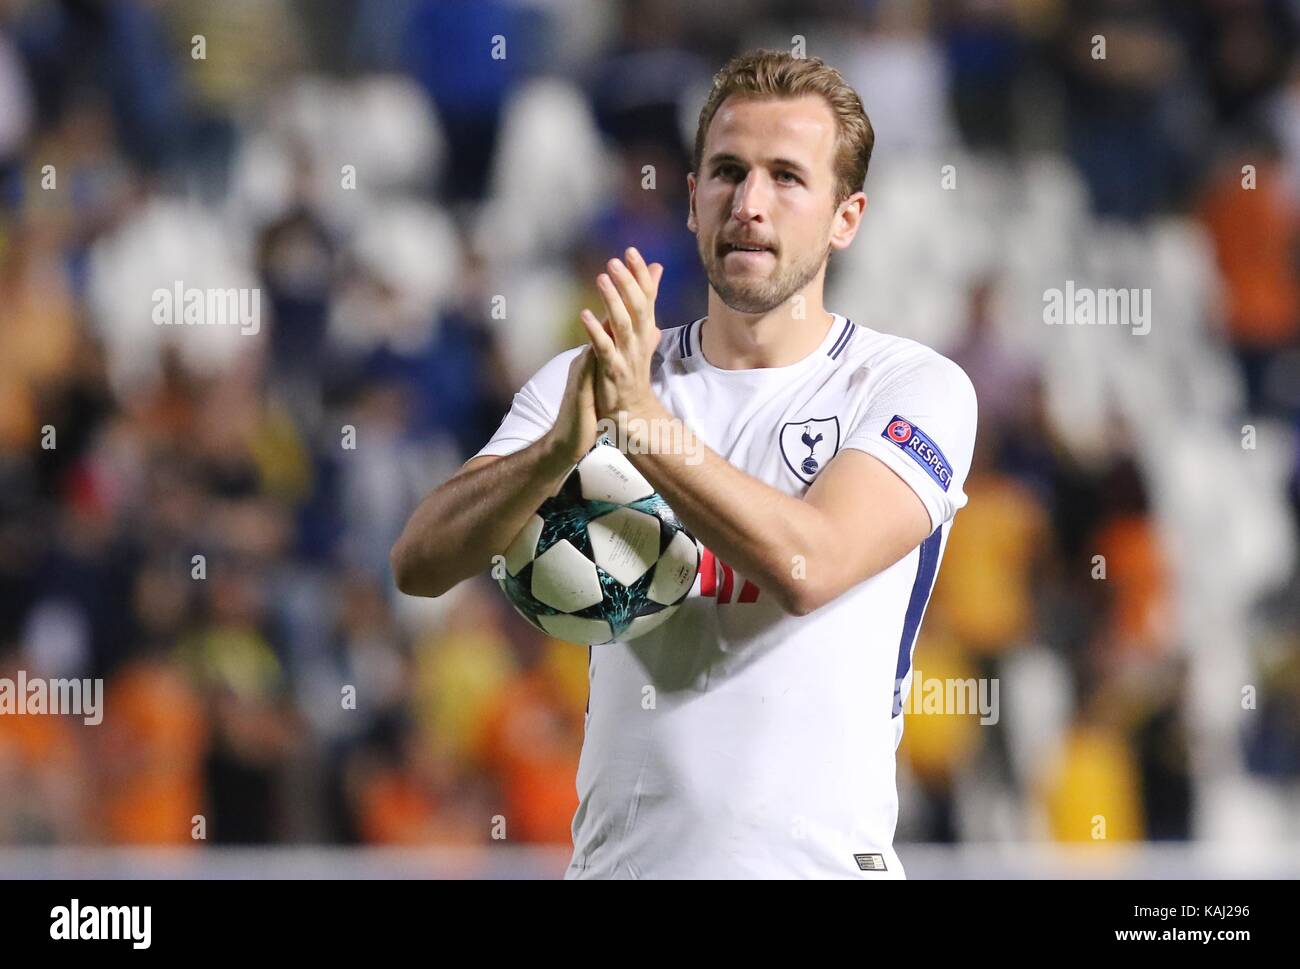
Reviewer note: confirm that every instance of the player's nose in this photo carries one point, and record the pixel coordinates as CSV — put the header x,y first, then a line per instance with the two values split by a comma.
x,y
750,200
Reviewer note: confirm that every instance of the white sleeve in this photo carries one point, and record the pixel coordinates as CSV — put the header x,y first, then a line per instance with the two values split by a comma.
x,y
921,423
534,409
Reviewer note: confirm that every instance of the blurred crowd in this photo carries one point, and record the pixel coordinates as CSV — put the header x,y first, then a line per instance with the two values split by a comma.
x,y
422,192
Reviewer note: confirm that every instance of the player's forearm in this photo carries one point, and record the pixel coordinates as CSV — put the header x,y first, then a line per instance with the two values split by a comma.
x,y
753,527
458,527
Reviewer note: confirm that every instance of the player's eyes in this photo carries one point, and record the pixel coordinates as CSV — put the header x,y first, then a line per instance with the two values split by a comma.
x,y
733,172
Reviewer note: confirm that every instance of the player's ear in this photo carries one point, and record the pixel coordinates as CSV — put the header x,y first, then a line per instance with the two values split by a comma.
x,y
691,223
848,219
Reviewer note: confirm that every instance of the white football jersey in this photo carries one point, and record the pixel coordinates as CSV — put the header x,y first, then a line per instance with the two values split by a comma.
x,y
735,740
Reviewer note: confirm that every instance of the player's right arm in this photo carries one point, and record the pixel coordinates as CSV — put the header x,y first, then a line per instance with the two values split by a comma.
x,y
474,515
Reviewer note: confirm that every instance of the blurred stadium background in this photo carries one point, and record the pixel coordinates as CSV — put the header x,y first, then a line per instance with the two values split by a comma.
x,y
423,222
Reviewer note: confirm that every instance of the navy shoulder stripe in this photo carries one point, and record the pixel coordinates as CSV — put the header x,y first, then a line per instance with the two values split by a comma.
x,y
927,569
842,340
684,339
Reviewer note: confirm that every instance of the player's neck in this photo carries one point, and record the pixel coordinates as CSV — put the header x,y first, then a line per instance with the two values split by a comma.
x,y
743,341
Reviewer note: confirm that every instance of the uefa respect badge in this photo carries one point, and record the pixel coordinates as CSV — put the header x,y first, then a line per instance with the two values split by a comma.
x,y
916,443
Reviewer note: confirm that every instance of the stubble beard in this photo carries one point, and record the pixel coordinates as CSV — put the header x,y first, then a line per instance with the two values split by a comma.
x,y
754,295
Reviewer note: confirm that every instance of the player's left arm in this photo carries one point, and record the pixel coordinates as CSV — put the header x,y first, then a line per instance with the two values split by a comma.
x,y
858,518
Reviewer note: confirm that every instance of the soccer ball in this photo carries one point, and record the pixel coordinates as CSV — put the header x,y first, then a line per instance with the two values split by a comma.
x,y
604,559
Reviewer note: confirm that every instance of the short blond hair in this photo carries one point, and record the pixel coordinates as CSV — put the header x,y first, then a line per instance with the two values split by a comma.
x,y
764,74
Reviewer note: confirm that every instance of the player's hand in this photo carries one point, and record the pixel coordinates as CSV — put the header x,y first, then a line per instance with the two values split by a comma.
x,y
625,341
575,426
